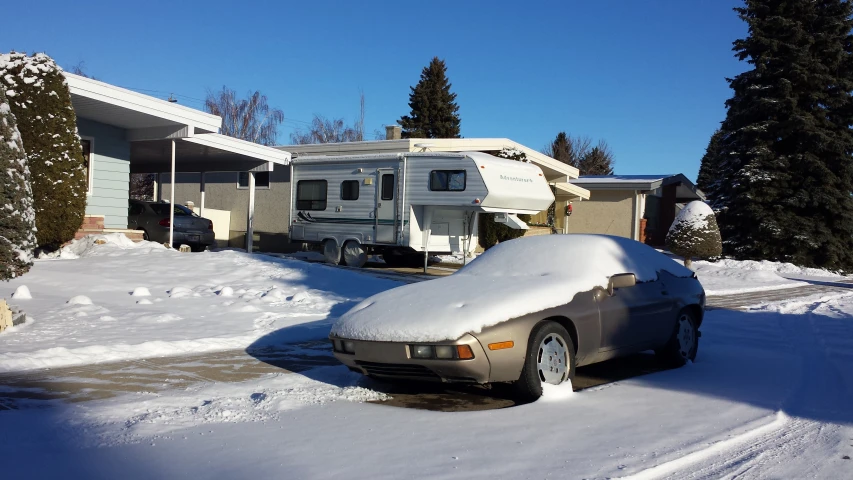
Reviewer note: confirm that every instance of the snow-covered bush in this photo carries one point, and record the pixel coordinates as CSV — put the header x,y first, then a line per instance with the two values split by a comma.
x,y
694,233
41,102
17,217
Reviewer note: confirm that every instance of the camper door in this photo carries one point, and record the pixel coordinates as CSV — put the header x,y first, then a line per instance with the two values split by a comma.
x,y
386,205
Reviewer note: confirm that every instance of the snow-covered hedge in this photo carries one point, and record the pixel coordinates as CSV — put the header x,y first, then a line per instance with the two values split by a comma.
x,y
41,102
695,233
17,217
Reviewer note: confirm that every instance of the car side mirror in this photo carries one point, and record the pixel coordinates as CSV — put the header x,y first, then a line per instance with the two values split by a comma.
x,y
621,280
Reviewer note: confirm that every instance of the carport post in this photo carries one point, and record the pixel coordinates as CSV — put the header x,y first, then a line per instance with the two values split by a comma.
x,y
250,217
172,201
201,186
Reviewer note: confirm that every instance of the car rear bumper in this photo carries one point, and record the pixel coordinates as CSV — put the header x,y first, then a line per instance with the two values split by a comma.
x,y
193,238
392,361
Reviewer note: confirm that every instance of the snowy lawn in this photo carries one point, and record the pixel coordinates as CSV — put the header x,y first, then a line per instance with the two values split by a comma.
x,y
769,396
122,301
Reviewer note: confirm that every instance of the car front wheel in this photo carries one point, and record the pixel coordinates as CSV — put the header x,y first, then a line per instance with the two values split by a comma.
x,y
550,359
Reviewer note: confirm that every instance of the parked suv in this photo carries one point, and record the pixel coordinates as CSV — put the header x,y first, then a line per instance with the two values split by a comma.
x,y
153,219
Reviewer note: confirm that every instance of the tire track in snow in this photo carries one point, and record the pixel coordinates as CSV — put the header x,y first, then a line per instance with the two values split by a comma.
x,y
751,454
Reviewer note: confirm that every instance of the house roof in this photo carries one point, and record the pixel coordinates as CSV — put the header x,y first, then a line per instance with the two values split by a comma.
x,y
152,123
685,188
127,109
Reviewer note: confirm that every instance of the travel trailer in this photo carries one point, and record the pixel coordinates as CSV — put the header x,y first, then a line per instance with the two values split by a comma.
x,y
406,205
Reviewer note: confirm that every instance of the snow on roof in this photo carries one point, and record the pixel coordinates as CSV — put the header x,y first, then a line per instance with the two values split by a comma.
x,y
512,279
597,179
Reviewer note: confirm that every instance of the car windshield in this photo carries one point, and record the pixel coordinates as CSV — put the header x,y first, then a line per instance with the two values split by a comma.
x,y
180,210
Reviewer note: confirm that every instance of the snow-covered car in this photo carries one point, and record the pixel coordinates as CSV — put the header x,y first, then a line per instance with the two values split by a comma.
x,y
528,311
153,219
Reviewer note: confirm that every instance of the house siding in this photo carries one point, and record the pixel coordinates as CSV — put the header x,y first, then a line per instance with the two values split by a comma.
x,y
272,205
111,172
606,212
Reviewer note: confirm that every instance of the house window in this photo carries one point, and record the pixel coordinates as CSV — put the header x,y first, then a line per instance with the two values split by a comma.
x,y
262,180
88,162
388,187
447,180
349,190
311,194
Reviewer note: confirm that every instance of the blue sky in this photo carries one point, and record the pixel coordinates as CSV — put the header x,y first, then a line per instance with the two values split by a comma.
x,y
647,76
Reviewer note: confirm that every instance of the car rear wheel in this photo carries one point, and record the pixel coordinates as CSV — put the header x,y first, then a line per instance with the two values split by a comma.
x,y
145,236
684,342
550,359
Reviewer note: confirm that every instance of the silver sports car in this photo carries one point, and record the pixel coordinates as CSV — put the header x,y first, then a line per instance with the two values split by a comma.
x,y
528,311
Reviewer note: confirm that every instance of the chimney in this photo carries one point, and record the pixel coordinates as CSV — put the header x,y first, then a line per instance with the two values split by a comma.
x,y
393,132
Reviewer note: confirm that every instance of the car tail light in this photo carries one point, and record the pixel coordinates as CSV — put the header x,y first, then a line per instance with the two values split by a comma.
x,y
165,222
210,224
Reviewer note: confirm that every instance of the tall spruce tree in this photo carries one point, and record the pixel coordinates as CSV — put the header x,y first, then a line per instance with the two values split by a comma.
x,y
41,102
434,110
709,170
17,217
786,143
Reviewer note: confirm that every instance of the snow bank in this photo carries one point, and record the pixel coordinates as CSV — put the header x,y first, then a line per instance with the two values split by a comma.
x,y
510,280
22,293
100,245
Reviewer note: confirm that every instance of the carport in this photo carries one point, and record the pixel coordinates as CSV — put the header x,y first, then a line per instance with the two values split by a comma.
x,y
136,133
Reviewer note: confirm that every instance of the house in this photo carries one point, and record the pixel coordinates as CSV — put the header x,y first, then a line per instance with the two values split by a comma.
x,y
124,132
641,207
226,190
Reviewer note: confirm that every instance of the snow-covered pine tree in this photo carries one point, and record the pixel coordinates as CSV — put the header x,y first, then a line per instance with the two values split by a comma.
x,y
694,233
17,216
40,99
786,141
434,110
709,170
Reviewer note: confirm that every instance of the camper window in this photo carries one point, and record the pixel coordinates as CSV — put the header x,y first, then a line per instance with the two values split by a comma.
x,y
349,190
311,194
447,180
388,187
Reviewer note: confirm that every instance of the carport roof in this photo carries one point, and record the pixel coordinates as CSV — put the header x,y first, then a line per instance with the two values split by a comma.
x,y
685,188
151,125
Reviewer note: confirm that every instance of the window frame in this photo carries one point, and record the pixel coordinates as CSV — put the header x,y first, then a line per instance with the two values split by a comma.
x,y
257,187
357,190
325,200
90,173
449,173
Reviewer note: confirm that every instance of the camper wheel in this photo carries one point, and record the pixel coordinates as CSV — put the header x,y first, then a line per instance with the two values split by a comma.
x,y
354,255
332,251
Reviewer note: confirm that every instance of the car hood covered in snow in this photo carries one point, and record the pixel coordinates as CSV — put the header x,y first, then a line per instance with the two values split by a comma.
x,y
512,279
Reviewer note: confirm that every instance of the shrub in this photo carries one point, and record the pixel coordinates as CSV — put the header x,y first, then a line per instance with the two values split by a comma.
x,y
41,102
17,217
694,233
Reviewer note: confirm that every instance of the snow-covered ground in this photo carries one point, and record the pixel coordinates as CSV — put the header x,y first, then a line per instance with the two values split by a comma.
x,y
122,301
769,396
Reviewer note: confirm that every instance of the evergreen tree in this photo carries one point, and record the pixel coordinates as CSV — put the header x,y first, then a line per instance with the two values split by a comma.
x,y
434,110
562,149
17,217
786,143
41,102
709,170
694,233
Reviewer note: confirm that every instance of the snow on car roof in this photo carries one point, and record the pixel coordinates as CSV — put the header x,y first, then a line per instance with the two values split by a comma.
x,y
510,280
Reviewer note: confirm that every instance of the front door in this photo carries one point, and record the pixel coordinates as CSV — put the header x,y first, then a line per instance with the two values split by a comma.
x,y
386,206
633,315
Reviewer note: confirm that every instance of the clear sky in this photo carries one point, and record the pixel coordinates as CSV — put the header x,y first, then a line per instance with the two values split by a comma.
x,y
647,76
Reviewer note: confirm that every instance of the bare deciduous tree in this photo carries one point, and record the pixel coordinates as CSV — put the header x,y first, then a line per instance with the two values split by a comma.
x,y
324,130
249,119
